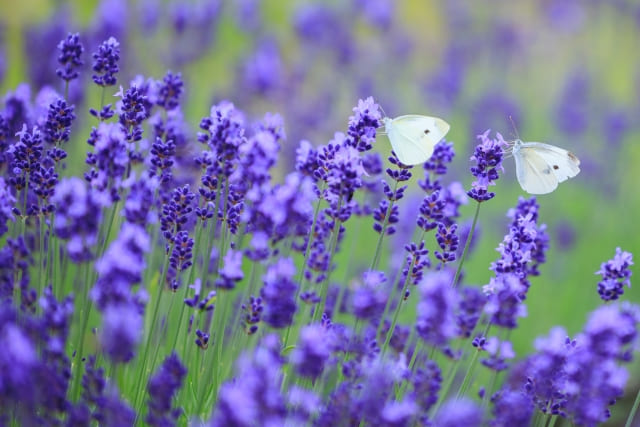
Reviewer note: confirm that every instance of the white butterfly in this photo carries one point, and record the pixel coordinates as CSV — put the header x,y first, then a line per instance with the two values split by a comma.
x,y
413,137
540,167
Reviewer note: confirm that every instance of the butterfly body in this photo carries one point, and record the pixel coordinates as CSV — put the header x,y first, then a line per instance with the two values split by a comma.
x,y
413,137
540,167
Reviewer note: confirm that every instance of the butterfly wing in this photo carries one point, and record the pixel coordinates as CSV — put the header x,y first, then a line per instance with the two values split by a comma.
x,y
564,164
413,137
540,167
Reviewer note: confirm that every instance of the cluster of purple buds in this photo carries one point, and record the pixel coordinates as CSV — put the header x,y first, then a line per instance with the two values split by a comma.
x,y
488,157
616,273
70,57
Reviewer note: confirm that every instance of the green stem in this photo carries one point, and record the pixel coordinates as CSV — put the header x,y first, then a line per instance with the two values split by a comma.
x,y
633,411
85,312
397,312
466,246
154,318
333,243
385,223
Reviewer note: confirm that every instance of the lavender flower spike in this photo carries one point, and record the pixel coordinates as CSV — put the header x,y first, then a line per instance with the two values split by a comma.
x,y
488,157
105,62
70,57
615,274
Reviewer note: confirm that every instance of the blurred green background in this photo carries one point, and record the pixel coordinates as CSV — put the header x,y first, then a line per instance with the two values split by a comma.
x,y
566,71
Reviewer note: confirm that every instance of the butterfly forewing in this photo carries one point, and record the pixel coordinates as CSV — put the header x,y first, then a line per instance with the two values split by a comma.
x,y
414,137
540,167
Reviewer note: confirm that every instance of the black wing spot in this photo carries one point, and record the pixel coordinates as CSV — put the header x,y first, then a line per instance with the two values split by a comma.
x,y
556,167
427,131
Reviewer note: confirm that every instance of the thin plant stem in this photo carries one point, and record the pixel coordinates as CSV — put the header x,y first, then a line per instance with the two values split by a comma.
x,y
385,223
633,411
466,246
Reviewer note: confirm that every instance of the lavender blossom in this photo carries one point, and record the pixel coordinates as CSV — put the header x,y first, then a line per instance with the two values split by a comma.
x,y
616,273
253,396
231,271
57,128
511,408
312,351
169,92
459,412
162,388
78,217
109,159
488,157
121,332
436,322
278,293
448,241
6,206
70,57
105,62
370,298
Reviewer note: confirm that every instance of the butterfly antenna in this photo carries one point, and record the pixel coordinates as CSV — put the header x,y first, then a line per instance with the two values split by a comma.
x,y
384,115
515,130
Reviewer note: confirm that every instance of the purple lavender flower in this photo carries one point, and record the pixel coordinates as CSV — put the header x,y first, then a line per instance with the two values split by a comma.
x,y
312,351
202,339
472,300
138,206
363,123
616,273
109,159
18,110
278,293
78,217
448,241
231,271
162,159
370,298
176,213
132,112
459,412
105,62
162,388
443,154
180,258
488,157
7,202
253,396
121,332
121,268
169,92
572,111
436,322
262,71
70,57
499,352
203,304
426,383
431,211
505,294
511,408
416,262
254,309
26,155
57,128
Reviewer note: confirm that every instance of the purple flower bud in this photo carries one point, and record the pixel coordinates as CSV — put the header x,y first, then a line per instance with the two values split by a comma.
x,y
105,62
615,274
162,388
70,57
459,412
312,351
488,157
278,293
122,326
436,322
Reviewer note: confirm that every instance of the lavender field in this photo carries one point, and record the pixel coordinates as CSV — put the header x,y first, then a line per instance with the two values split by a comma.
x,y
202,221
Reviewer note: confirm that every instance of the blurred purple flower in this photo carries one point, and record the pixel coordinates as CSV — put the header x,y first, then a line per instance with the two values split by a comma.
x,y
511,408
278,293
312,351
369,299
459,412
122,326
162,387
572,109
436,323
263,71
231,271
109,159
169,91
78,217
